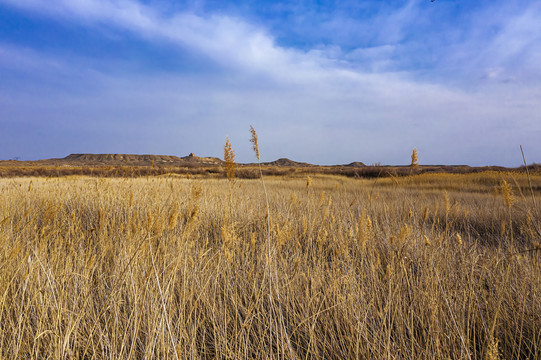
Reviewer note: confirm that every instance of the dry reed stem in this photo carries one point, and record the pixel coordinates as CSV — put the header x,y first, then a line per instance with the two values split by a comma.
x,y
529,179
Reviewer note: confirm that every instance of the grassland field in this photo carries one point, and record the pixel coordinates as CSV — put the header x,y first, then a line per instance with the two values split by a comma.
x,y
431,266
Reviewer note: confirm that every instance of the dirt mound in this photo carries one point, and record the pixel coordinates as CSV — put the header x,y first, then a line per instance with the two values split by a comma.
x,y
192,158
355,164
287,162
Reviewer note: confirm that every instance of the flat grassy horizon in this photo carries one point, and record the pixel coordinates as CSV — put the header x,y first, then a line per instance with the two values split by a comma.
x,y
129,165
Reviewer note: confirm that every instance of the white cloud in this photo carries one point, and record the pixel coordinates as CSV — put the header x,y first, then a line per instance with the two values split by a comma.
x,y
501,43
226,40
311,105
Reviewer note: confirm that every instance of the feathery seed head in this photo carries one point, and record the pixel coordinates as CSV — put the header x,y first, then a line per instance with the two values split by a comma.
x,y
493,353
253,240
253,140
446,202
229,158
458,239
368,223
308,182
414,159
293,198
404,232
507,193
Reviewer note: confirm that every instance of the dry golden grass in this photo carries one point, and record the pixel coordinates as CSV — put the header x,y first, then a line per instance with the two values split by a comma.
x,y
422,267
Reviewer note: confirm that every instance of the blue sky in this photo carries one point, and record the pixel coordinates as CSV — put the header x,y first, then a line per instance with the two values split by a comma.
x,y
325,82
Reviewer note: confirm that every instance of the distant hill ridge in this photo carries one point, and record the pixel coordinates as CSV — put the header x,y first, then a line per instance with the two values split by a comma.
x,y
134,159
119,157
84,164
191,160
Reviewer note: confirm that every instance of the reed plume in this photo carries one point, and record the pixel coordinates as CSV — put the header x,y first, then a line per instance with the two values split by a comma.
x,y
255,144
507,194
414,160
229,158
308,182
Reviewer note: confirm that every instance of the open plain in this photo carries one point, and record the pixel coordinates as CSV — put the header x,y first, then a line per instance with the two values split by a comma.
x,y
427,266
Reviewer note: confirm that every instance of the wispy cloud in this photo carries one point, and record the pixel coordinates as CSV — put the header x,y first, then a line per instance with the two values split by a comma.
x,y
500,42
235,43
367,102
227,40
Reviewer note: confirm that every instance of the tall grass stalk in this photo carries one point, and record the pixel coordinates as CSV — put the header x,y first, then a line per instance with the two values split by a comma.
x,y
529,179
273,272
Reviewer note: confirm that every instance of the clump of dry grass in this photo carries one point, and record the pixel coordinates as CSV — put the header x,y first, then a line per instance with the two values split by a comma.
x,y
155,267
